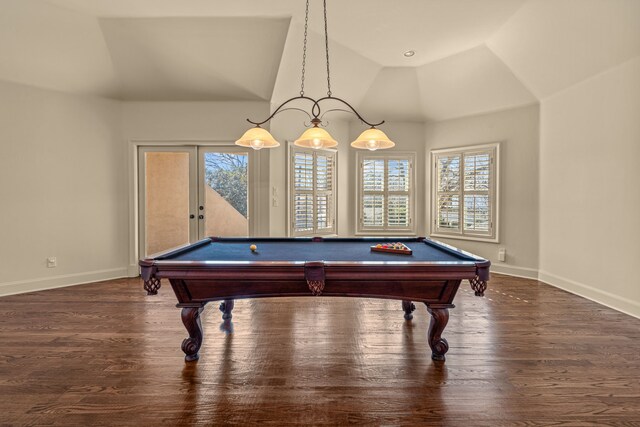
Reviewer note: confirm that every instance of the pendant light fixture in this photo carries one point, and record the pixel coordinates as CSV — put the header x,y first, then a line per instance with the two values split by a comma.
x,y
315,136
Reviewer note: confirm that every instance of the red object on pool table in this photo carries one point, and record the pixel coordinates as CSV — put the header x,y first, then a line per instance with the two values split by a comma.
x,y
394,248
222,269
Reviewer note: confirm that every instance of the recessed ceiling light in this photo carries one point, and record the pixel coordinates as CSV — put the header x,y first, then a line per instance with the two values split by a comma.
x,y
409,53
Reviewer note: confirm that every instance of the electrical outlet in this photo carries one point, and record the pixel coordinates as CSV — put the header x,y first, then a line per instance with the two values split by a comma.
x,y
52,262
502,254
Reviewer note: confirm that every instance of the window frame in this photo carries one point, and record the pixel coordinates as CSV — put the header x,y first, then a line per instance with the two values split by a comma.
x,y
361,230
330,231
494,193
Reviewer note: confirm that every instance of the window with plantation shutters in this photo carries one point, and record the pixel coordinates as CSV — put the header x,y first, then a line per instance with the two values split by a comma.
x,y
312,183
464,192
386,193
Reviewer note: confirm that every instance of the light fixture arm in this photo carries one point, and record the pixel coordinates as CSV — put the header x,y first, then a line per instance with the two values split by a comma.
x,y
280,108
315,109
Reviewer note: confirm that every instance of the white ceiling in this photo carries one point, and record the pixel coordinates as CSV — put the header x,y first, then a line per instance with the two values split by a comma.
x,y
472,56
380,30
470,82
183,59
553,45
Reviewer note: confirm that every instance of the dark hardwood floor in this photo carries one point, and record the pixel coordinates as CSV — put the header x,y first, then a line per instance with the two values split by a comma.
x,y
526,354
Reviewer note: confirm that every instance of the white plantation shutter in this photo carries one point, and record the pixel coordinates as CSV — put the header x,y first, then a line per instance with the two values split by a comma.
x,y
303,192
303,171
324,192
464,192
398,175
398,211
303,212
476,171
476,213
373,175
312,182
477,209
322,212
385,190
373,209
448,199
449,211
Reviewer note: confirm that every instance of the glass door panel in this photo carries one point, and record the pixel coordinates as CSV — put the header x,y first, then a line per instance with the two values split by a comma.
x,y
167,198
224,194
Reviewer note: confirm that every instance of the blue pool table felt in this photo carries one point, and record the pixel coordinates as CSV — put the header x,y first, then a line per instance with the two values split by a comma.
x,y
313,251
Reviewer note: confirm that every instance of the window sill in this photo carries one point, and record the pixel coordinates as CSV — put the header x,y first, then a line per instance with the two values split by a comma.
x,y
469,238
390,233
332,234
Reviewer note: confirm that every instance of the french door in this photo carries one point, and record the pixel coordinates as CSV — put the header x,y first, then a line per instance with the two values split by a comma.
x,y
187,193
223,191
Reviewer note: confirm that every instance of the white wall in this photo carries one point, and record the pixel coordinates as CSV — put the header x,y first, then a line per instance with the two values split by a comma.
x,y
62,189
195,121
517,131
589,188
190,123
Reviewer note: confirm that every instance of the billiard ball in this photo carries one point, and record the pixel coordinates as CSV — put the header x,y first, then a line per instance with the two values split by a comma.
x,y
253,248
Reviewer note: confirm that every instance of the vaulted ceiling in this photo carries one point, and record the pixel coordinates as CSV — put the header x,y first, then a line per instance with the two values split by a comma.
x,y
472,56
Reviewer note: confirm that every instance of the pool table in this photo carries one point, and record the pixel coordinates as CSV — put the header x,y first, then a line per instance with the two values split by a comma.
x,y
226,269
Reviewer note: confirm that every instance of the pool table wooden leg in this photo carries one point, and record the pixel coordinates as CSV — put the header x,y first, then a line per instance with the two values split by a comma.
x,y
225,307
408,308
191,320
439,346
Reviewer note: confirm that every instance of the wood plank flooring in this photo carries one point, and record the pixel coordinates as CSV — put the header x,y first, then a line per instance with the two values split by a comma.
x,y
107,354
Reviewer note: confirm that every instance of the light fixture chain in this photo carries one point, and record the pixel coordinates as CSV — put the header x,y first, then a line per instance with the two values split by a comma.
x,y
304,48
326,43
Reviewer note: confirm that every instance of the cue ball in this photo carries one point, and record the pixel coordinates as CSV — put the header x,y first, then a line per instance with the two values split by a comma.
x,y
253,248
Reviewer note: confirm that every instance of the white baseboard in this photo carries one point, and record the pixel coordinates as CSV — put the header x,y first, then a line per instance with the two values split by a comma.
x,y
607,299
511,270
133,270
33,285
632,308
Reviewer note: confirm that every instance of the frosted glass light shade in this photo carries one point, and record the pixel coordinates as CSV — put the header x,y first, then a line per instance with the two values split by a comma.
x,y
373,139
315,137
257,138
